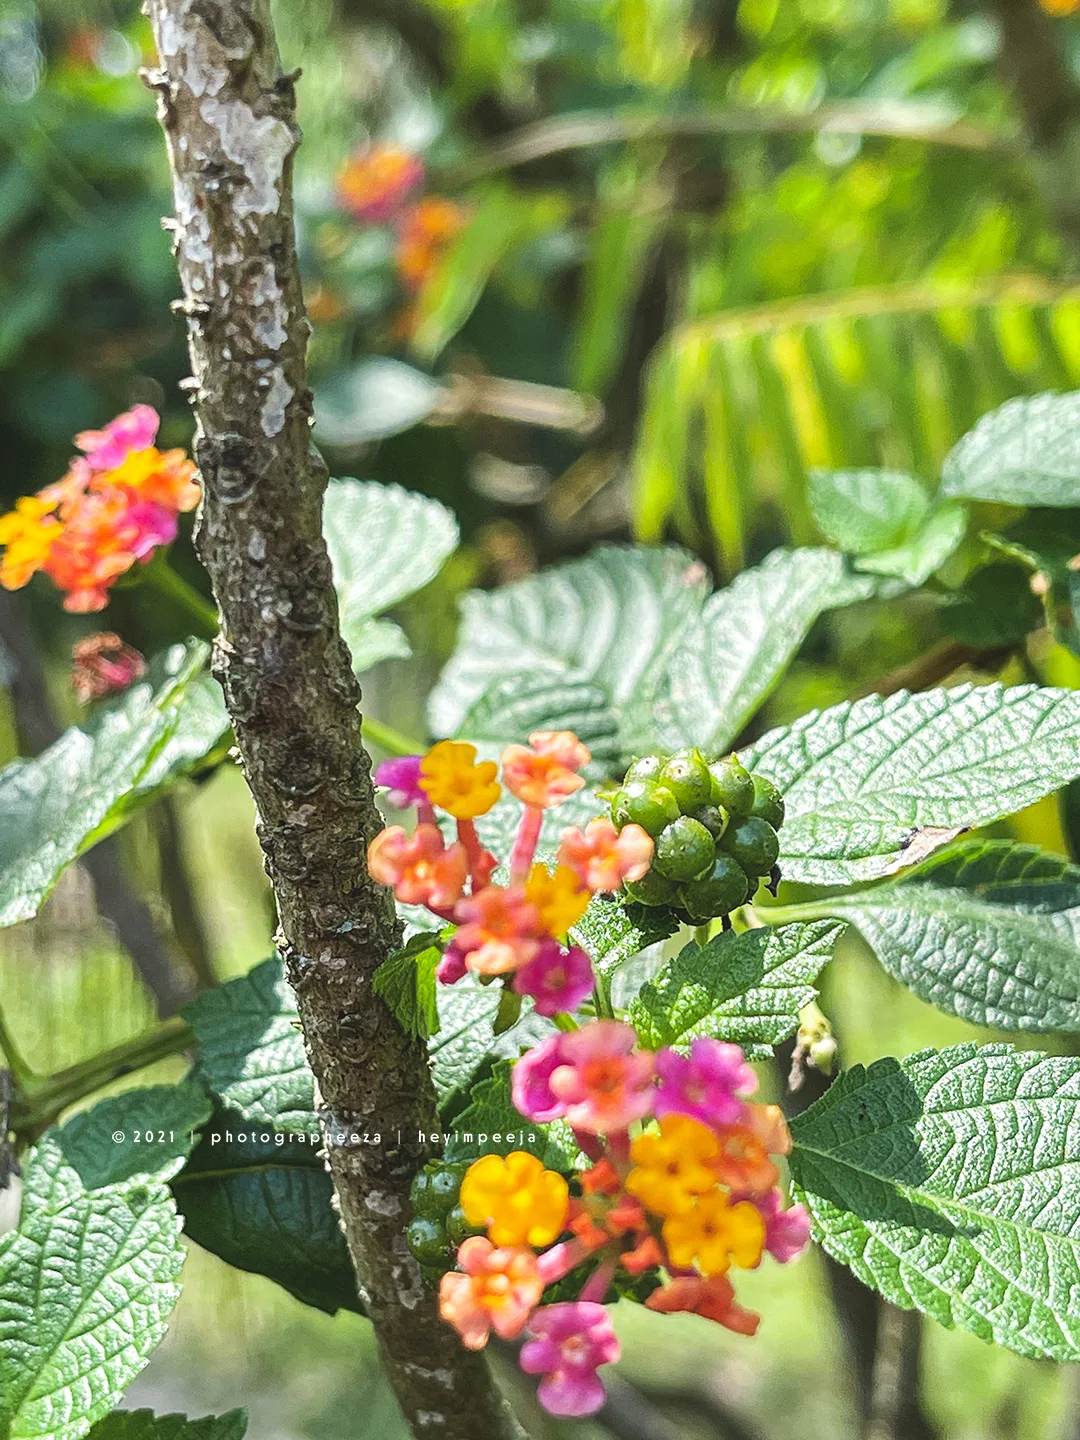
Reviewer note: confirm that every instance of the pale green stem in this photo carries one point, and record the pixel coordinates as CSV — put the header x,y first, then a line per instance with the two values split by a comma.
x,y
204,616
387,738
20,1070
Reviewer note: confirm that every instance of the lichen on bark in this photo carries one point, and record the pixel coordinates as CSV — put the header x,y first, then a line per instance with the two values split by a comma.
x,y
228,112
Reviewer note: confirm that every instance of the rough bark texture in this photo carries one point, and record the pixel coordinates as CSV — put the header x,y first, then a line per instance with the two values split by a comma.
x,y
228,114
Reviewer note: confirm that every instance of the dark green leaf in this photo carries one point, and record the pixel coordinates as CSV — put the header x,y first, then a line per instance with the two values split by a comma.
x,y
251,1054
747,989
1026,453
489,1125
406,981
867,782
141,1134
988,930
91,780
145,1425
260,1199
947,1182
614,931
995,607
466,1041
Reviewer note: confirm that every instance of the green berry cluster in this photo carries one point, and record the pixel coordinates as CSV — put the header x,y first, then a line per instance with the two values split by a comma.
x,y
438,1225
714,825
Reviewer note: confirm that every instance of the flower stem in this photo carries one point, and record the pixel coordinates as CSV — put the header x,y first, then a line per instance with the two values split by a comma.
x,y
387,738
43,1100
20,1070
204,616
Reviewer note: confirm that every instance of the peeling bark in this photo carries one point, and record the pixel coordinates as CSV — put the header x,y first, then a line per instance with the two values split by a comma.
x,y
228,115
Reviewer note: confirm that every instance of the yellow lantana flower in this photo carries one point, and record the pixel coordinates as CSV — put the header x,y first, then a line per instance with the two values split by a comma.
x,y
518,1201
714,1233
452,780
671,1168
558,897
28,532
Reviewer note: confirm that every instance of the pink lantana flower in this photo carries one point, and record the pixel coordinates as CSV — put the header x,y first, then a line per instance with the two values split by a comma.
x,y
706,1084
497,1291
544,772
572,1340
153,525
452,967
557,979
420,868
787,1232
401,777
499,930
603,857
602,1082
530,1081
107,449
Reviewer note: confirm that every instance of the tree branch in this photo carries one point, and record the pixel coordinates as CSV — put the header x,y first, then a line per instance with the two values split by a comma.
x,y
229,118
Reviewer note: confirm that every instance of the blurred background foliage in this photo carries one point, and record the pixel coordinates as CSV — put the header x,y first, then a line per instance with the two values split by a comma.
x,y
669,257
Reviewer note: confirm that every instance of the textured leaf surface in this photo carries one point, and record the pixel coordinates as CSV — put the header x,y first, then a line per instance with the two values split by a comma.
x,y
736,650
156,1128
613,932
861,780
467,1041
489,1125
87,1282
747,989
145,1425
916,559
251,1054
867,510
384,543
948,1182
406,981
260,1199
613,620
989,931
54,807
1026,453
518,704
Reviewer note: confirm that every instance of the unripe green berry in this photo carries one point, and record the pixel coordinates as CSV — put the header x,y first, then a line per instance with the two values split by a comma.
x,y
427,1241
684,850
753,843
652,889
687,777
732,786
458,1227
721,891
435,1189
768,802
646,767
644,803
714,817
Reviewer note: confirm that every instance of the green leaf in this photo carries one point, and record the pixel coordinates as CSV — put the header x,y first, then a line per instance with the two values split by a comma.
x,y
145,1425
989,930
734,653
994,607
140,1135
1026,453
467,1042
87,1282
867,782
620,243
56,806
490,1125
865,511
372,400
614,931
517,704
261,1200
744,988
917,559
406,981
384,543
251,1053
613,620
947,1181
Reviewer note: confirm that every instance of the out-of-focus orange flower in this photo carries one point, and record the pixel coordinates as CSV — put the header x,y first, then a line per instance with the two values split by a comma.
x,y
425,232
603,857
1060,7
420,868
103,665
499,929
714,1298
376,182
498,1291
544,772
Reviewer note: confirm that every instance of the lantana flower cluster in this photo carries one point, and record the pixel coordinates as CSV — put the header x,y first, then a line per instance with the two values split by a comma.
x,y
117,504
680,1183
517,929
379,186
